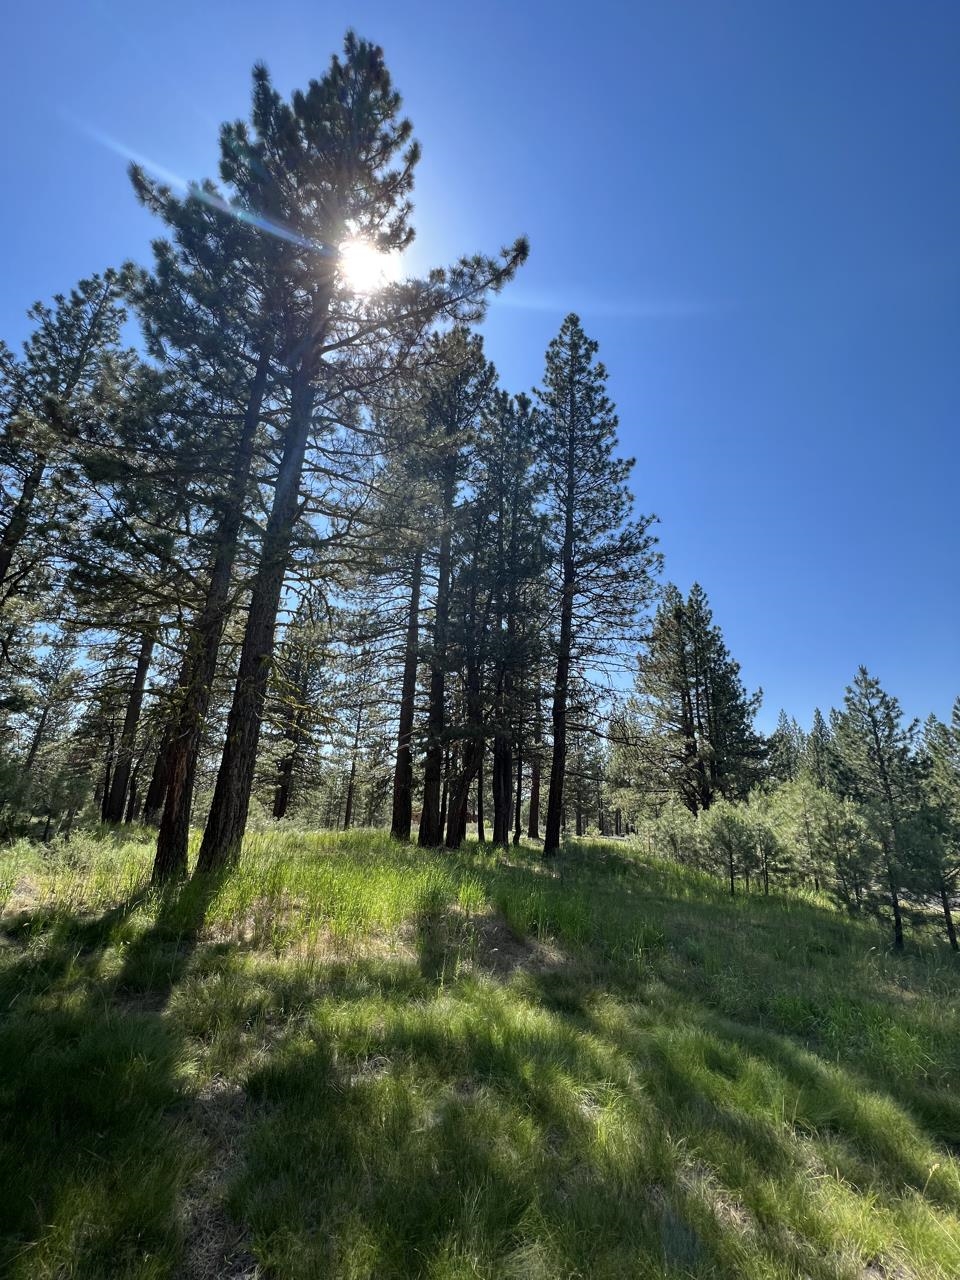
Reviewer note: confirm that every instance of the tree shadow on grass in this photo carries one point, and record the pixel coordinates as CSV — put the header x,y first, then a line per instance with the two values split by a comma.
x,y
90,1165
440,1117
437,1136
430,1132
411,1128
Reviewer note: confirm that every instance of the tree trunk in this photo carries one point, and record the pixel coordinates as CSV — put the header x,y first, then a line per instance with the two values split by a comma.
x,y
502,788
348,803
133,801
481,833
16,526
892,848
37,740
107,776
558,763
733,883
192,700
231,798
459,798
432,814
895,905
281,795
403,771
444,792
948,916
533,820
471,755
157,788
284,789
294,735
115,801
517,830
351,782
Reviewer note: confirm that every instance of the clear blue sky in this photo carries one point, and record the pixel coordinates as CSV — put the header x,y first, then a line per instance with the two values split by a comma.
x,y
755,208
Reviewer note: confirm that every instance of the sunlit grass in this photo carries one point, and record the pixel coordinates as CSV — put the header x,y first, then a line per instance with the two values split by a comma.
x,y
410,1063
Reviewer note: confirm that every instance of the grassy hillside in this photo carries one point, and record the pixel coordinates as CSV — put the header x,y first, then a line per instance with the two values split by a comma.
x,y
349,1059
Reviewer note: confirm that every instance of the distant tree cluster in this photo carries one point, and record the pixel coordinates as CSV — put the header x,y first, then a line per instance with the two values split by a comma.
x,y
863,806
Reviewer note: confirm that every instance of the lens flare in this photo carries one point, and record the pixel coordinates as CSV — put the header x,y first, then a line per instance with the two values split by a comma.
x,y
364,269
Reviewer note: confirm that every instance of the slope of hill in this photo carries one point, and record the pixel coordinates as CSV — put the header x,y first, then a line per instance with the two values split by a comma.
x,y
351,1059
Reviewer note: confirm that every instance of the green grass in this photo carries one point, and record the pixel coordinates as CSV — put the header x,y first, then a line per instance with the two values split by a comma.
x,y
353,1059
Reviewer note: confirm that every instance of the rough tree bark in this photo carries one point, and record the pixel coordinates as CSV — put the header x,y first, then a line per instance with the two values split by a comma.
x,y
192,700
502,787
231,798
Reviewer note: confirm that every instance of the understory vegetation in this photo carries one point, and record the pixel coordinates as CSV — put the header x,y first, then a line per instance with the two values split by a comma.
x,y
346,1057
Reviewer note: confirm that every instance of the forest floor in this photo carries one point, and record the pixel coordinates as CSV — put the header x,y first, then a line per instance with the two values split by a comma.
x,y
348,1058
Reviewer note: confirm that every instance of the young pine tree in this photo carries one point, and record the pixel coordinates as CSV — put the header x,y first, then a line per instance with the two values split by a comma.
x,y
693,717
875,748
940,861
53,402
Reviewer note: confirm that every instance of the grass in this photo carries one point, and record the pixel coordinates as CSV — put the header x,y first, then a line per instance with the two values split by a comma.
x,y
353,1059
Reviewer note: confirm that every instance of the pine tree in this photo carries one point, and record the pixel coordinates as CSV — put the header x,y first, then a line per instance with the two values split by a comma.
x,y
336,162
456,394
52,399
785,749
692,717
509,488
131,568
209,312
728,835
939,868
603,560
300,687
819,755
875,748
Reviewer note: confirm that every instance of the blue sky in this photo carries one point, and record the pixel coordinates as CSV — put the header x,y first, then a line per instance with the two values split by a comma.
x,y
753,206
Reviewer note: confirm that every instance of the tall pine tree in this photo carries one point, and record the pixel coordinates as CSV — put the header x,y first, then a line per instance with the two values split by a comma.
x,y
603,560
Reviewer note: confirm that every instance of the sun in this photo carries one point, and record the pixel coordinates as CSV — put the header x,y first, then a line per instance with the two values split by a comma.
x,y
364,269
